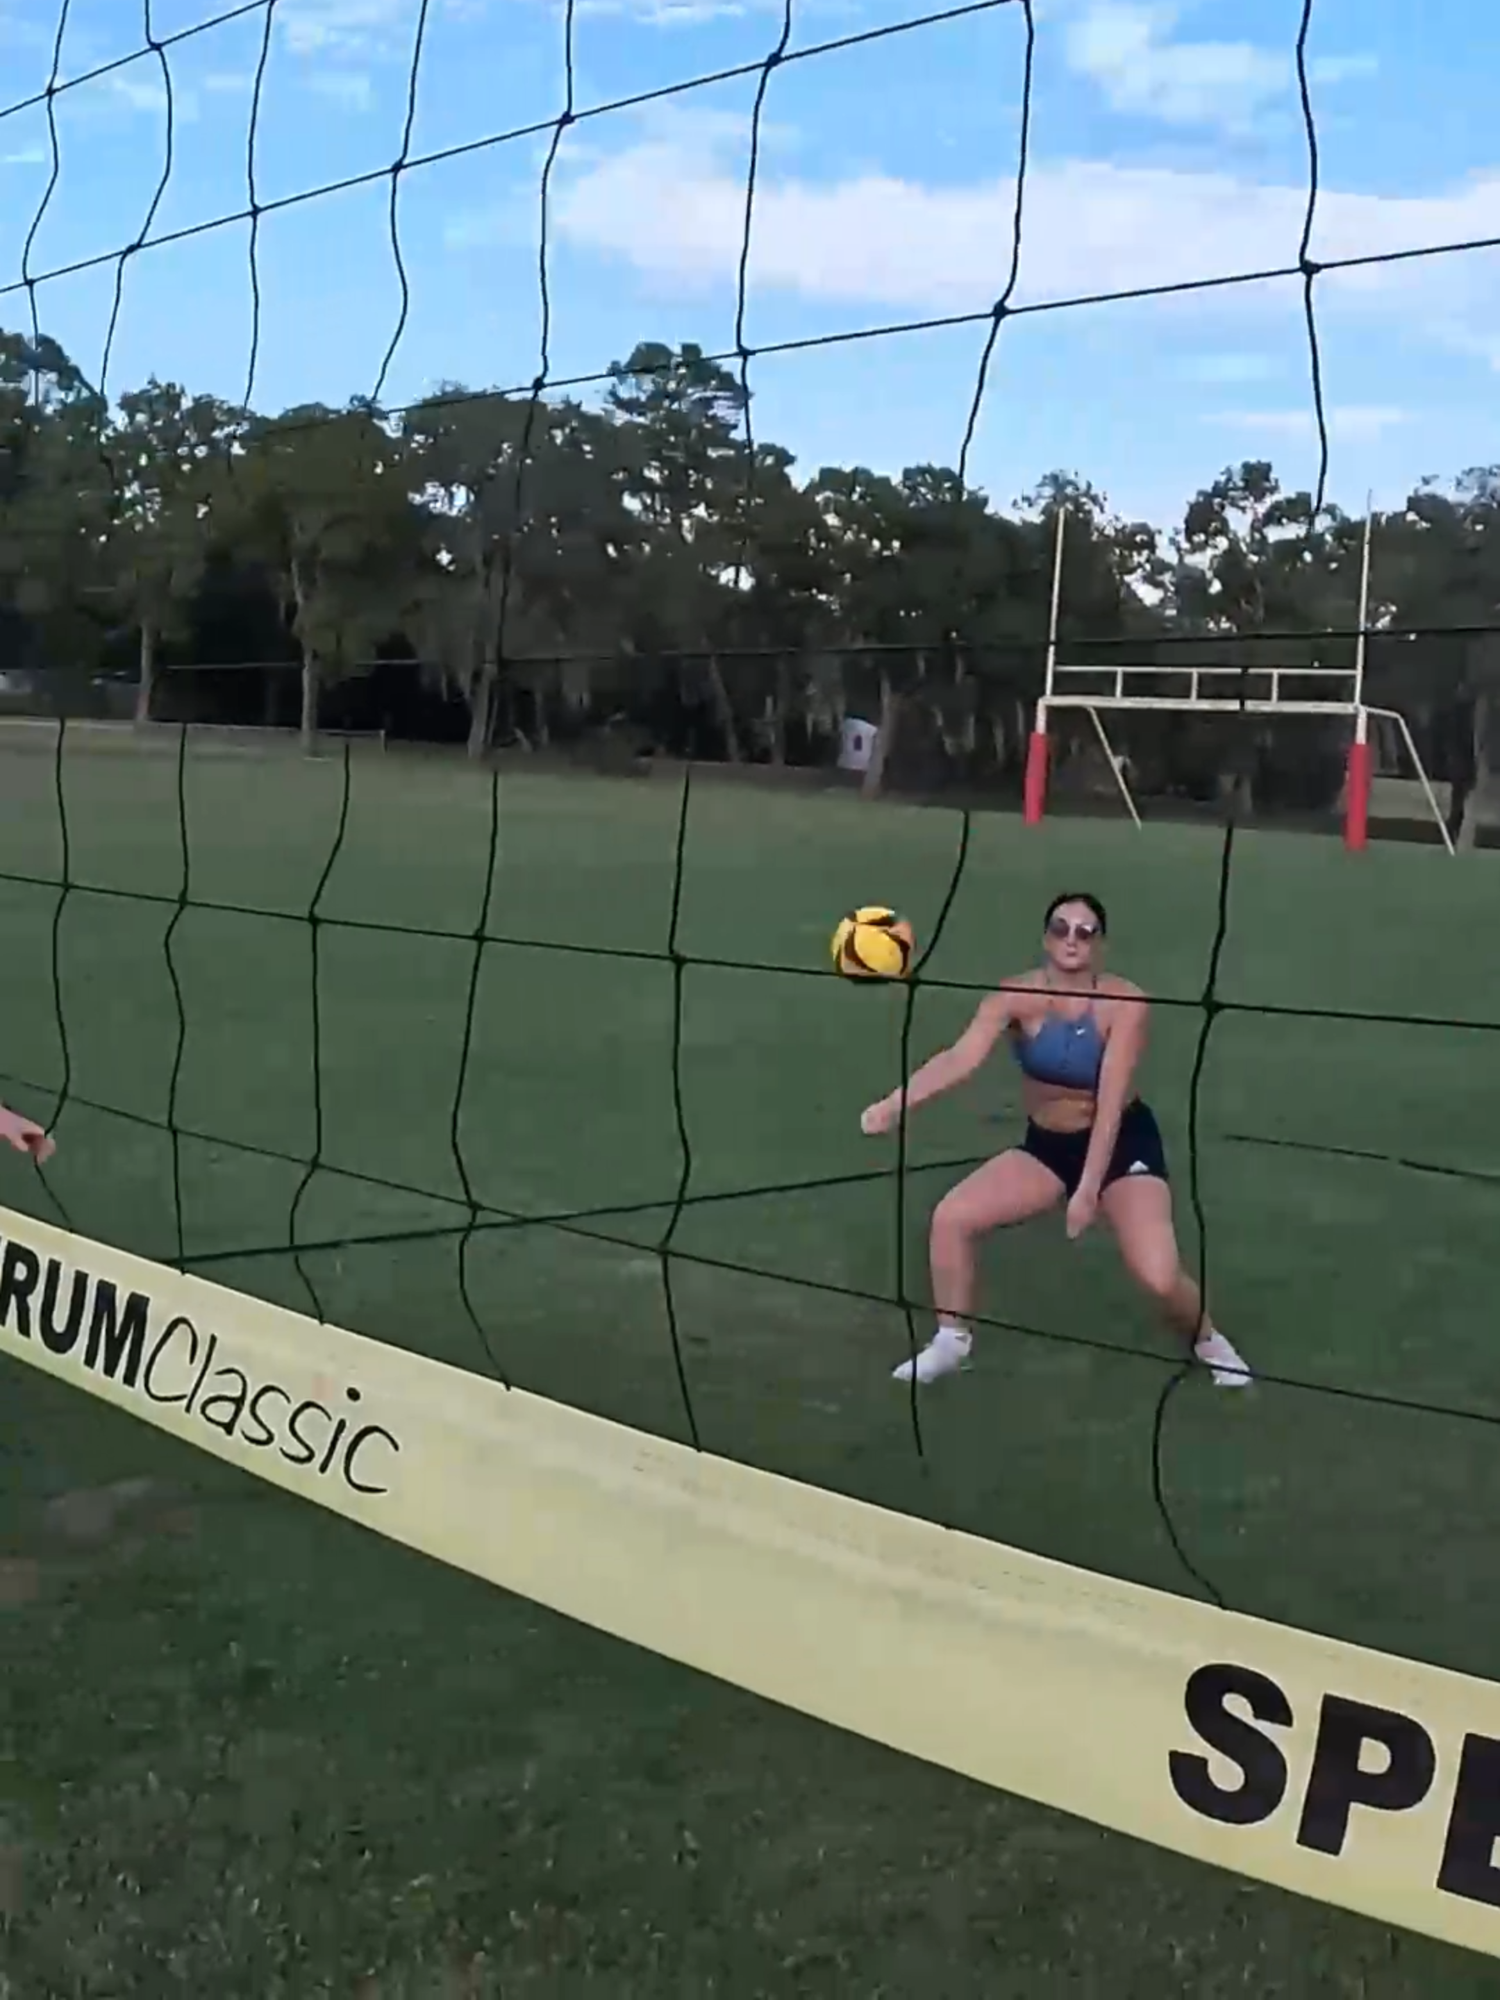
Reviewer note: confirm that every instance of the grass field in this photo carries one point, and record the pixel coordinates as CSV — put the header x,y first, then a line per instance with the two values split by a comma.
x,y
251,1752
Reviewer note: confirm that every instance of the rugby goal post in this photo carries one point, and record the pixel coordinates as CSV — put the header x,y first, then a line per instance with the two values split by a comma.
x,y
1258,691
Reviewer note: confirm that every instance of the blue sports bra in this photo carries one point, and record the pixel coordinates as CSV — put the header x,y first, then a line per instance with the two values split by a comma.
x,y
1067,1054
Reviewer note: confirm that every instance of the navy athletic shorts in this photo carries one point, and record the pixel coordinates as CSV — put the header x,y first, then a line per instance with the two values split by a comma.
x,y
1138,1150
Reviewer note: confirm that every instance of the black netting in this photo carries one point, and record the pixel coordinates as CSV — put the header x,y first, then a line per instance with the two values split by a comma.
x,y
468,1217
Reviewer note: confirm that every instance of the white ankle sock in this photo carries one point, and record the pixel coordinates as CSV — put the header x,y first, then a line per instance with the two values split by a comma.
x,y
1218,1354
947,1351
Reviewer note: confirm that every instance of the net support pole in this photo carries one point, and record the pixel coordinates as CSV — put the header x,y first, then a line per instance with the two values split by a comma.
x,y
1034,796
1358,777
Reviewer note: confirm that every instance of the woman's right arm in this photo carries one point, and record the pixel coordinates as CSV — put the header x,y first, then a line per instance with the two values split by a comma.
x,y
948,1067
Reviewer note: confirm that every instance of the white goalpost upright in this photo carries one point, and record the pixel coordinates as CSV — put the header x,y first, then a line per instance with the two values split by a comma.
x,y
1195,690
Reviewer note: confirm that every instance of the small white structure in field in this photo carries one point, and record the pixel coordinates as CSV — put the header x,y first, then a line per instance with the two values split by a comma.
x,y
856,744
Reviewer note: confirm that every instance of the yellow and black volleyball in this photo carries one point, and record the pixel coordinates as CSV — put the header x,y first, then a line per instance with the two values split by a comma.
x,y
872,943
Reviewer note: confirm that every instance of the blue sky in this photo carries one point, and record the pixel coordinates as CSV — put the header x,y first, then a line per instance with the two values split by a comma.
x,y
1167,144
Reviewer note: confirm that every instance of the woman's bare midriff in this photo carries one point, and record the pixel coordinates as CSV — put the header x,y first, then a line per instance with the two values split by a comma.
x,y
1058,1110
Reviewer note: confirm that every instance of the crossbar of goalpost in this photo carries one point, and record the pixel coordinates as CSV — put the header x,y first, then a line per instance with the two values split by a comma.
x,y
1200,696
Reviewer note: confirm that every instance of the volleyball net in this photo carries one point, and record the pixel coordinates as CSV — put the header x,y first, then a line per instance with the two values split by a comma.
x,y
607,1509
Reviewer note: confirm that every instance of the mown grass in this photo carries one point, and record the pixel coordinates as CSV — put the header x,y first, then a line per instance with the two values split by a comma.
x,y
250,1751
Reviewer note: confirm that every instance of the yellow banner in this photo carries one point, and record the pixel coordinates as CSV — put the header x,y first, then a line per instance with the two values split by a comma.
x,y
1345,1775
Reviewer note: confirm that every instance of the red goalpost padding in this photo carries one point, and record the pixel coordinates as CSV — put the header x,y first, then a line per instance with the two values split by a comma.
x,y
1357,784
1035,795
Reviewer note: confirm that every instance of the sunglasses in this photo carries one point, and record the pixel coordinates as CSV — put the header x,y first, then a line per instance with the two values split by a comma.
x,y
1081,933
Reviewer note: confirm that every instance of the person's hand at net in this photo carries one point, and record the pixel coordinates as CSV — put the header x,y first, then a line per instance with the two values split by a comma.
x,y
26,1136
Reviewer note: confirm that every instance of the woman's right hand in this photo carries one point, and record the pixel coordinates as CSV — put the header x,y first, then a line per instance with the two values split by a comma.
x,y
878,1118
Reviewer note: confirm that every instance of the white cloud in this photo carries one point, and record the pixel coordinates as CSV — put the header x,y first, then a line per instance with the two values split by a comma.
x,y
1341,69
682,134
673,13
19,32
141,92
361,29
340,27
1126,48
1348,423
141,88
1476,338
1122,48
351,89
513,222
28,156
1223,369
1090,227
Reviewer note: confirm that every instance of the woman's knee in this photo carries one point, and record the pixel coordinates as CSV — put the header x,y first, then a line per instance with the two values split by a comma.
x,y
952,1226
1158,1273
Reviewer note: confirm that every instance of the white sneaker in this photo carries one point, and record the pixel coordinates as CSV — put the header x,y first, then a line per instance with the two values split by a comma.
x,y
1229,1371
946,1352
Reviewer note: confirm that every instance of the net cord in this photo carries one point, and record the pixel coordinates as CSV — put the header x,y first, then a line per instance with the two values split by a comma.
x,y
315,1038
461,1086
168,942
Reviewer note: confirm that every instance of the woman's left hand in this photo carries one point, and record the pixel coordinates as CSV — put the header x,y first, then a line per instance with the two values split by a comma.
x,y
1082,1209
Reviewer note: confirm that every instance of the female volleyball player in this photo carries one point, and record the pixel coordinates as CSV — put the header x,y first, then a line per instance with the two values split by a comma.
x,y
1077,1033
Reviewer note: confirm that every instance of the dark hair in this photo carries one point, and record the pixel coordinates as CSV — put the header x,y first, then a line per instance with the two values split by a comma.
x,y
1091,903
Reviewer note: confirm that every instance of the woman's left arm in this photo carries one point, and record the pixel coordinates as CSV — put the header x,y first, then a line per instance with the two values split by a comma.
x,y
1123,1046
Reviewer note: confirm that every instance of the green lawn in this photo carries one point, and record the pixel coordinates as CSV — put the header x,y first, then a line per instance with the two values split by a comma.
x,y
251,1752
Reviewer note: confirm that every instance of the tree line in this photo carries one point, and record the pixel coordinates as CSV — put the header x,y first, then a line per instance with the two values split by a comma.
x,y
536,571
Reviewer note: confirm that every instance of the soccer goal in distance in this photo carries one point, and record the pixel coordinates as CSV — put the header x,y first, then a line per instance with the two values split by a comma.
x,y
1274,692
